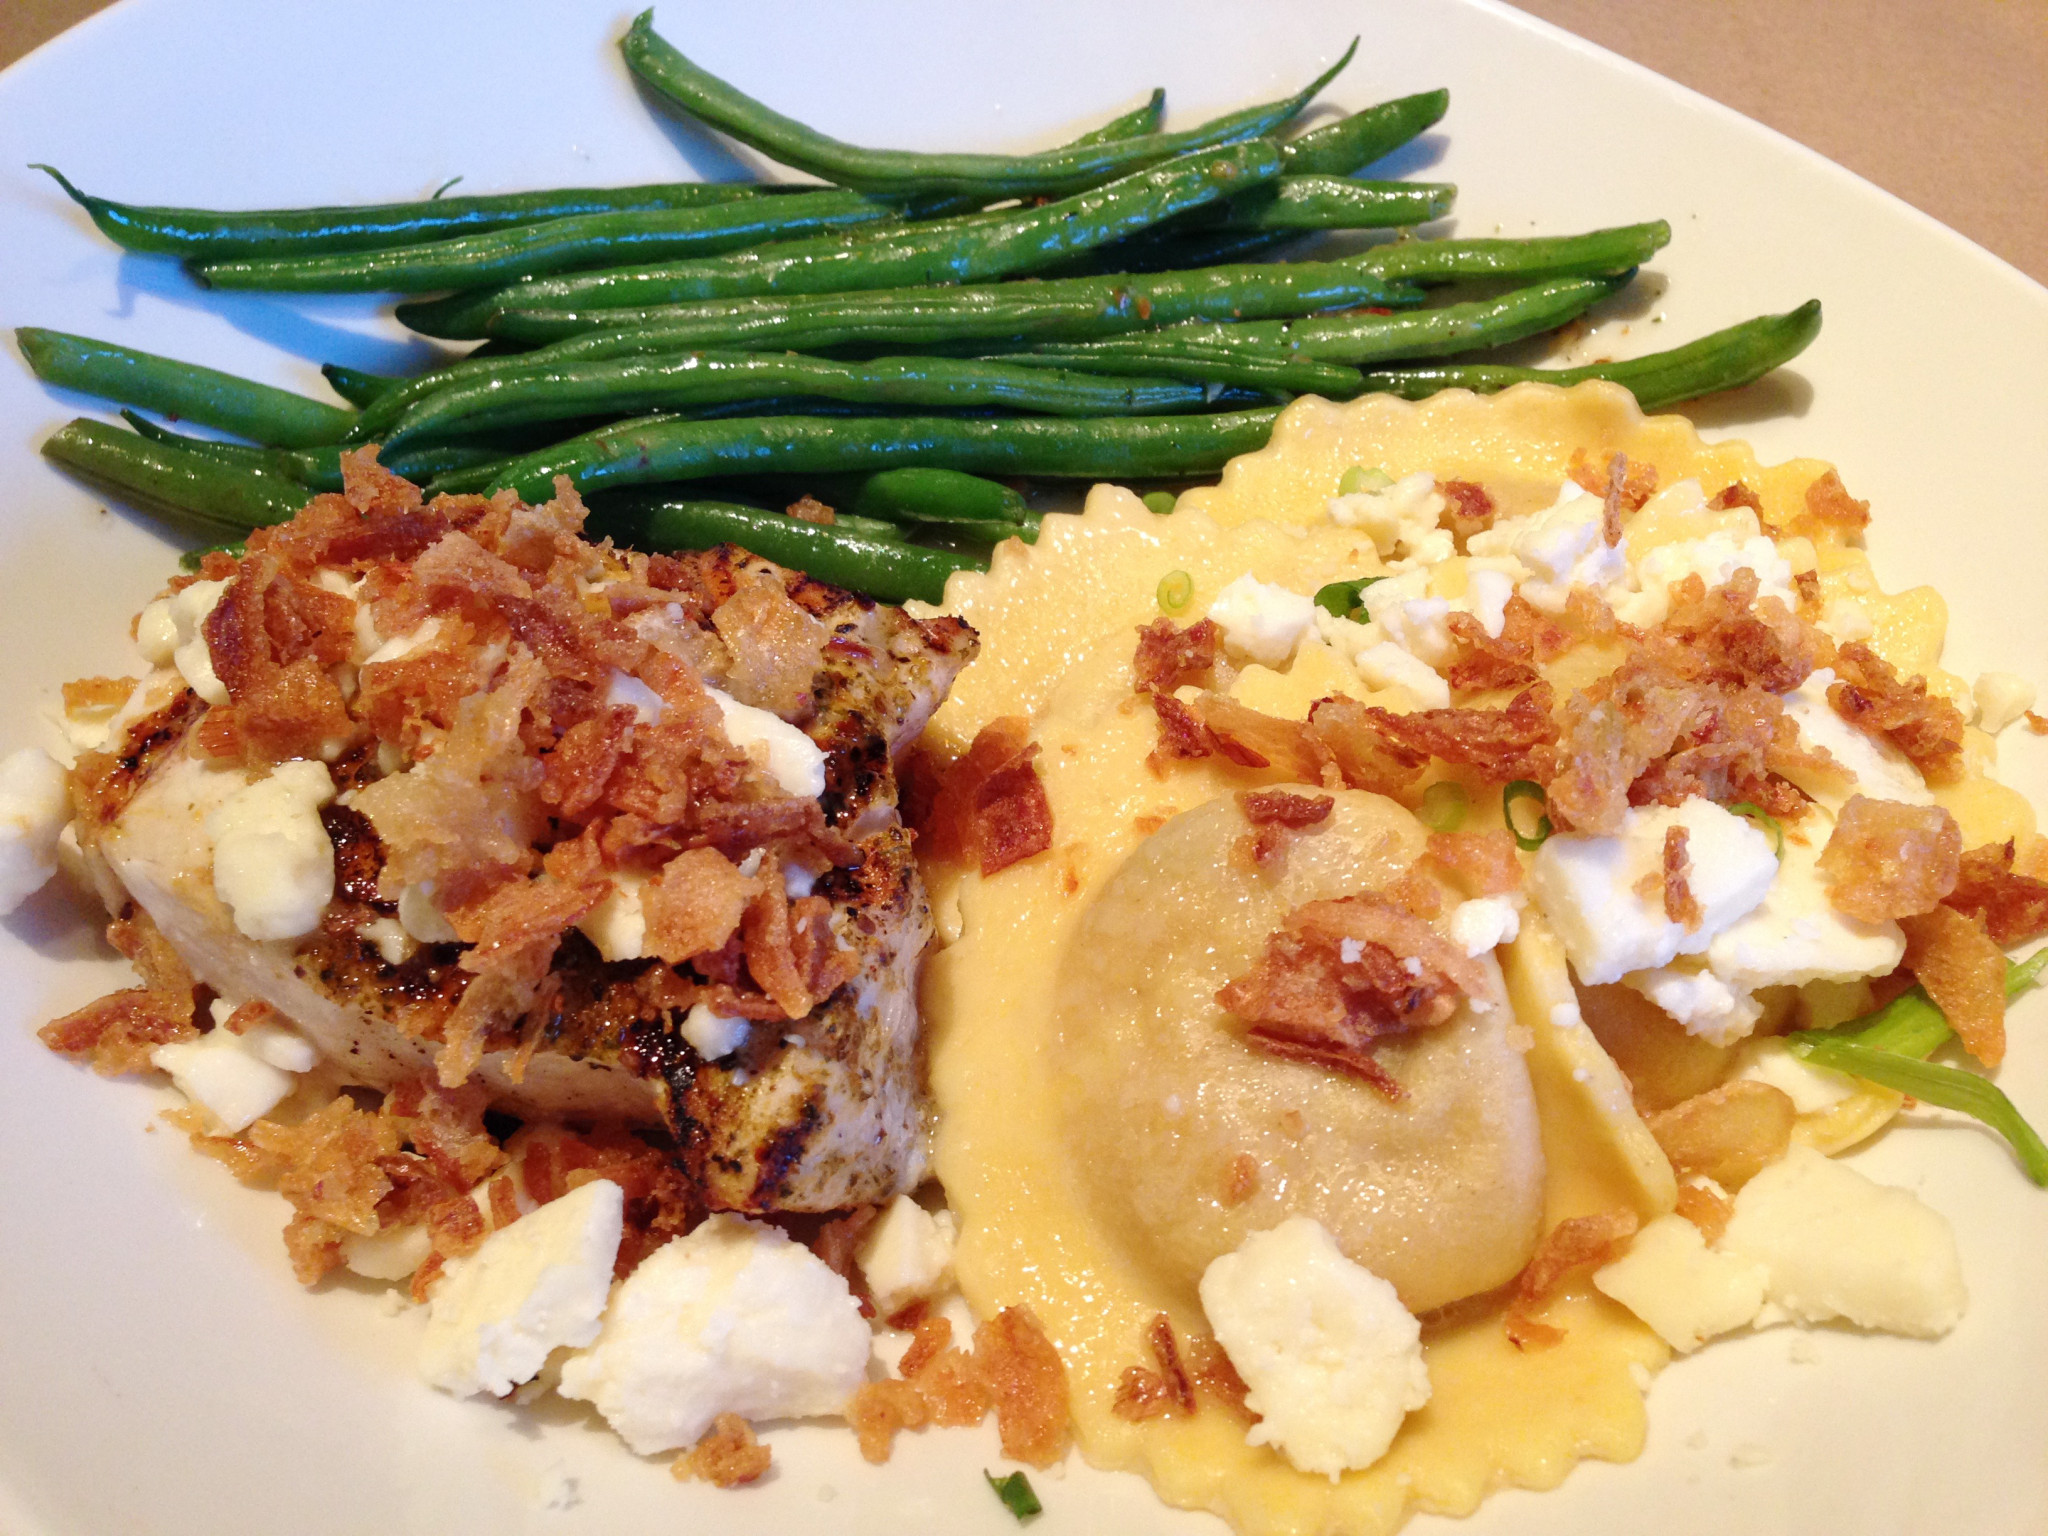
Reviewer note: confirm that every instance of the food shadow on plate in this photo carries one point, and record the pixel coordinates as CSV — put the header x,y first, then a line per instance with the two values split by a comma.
x,y
60,923
293,323
706,154
1782,393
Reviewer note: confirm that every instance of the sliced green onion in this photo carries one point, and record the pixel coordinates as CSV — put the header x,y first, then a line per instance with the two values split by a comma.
x,y
1176,590
1766,820
1525,789
1015,1492
1949,1087
1443,806
1342,597
1358,478
1160,502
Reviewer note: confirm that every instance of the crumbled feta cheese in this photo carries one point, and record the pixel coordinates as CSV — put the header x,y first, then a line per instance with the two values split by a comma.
x,y
1563,546
1488,588
1262,621
1485,923
1878,769
1401,519
272,862
34,808
171,633
1587,887
533,1287
625,691
1811,1089
1837,1244
393,943
237,1079
1795,935
2001,698
792,758
1683,1289
392,1254
617,925
1705,1004
1332,1359
732,1318
1386,665
1714,559
1843,619
422,918
1408,616
713,1035
908,1255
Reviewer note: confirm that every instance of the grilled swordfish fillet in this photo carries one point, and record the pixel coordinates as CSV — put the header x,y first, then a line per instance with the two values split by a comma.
x,y
462,794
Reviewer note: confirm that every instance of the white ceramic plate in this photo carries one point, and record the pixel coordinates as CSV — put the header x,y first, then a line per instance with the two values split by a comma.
x,y
160,1370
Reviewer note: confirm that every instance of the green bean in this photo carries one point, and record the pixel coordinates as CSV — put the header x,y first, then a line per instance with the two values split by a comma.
x,y
358,388
942,252
634,386
208,235
1132,124
890,571
1352,143
937,496
248,409
1054,173
1727,359
1445,261
193,559
1174,249
557,245
172,482
1298,203
643,453
1245,367
319,469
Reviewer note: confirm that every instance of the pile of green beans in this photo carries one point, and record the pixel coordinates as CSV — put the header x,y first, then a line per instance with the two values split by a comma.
x,y
919,341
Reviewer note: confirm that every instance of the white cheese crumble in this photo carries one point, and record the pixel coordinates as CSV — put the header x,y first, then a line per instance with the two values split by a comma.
x,y
1843,619
793,760
732,1318
1705,1004
1261,620
272,862
1386,665
1875,768
533,1287
1332,1359
1837,1244
907,1256
2001,698
623,690
1587,887
171,632
1563,546
1812,1090
1714,559
421,916
236,1079
1795,935
617,925
1401,519
1485,923
713,1035
1683,1289
34,808
392,1254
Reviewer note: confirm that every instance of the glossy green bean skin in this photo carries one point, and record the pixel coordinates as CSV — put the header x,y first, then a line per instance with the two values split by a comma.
x,y
358,388
1054,173
643,453
208,234
1330,202
918,495
1445,261
275,417
943,252
1246,367
1129,125
1727,359
635,386
319,469
558,245
1352,143
1072,308
171,482
884,569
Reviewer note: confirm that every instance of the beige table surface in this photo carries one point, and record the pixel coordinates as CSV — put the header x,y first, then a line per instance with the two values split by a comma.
x,y
1943,102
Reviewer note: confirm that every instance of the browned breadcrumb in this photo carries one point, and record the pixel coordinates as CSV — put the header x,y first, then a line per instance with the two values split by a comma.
x,y
1028,1383
728,1456
808,509
878,1409
1241,1179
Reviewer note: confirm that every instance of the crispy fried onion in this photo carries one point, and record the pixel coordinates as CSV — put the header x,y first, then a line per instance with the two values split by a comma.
x,y
1339,976
1164,1387
1963,970
1013,1367
1168,657
1693,710
1871,696
1576,1243
1886,859
117,1033
1508,660
991,810
1277,816
2012,906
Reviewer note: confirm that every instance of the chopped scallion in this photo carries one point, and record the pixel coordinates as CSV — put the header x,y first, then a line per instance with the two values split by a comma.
x,y
1443,806
1359,478
1764,819
1160,502
1342,597
1015,1492
1176,590
1525,789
